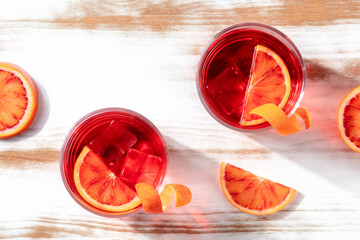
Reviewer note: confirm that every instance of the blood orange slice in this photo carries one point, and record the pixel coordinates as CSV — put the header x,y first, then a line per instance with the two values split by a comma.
x,y
100,187
269,82
18,100
348,119
253,194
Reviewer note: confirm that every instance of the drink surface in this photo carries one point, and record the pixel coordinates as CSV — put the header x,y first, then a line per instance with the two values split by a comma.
x,y
225,68
129,145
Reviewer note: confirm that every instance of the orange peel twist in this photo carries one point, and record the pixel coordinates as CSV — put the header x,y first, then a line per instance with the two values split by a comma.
x,y
153,202
280,121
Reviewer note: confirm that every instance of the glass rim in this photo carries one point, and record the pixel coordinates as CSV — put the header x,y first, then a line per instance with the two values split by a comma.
x,y
263,27
65,145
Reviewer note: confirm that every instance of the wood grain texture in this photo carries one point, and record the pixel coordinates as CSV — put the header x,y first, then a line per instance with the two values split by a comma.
x,y
142,55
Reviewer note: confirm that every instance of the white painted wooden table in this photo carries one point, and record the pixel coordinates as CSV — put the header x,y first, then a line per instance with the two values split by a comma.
x,y
142,55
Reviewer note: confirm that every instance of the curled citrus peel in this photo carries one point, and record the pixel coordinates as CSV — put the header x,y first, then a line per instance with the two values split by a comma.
x,y
280,121
153,202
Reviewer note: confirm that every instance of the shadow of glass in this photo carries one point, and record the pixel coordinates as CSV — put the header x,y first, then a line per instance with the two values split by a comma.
x,y
209,211
319,149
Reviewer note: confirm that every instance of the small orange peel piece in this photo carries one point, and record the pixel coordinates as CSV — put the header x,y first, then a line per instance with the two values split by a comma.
x,y
153,202
305,116
280,121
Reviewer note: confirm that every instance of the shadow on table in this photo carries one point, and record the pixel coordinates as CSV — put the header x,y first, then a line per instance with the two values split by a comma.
x,y
320,149
209,211
41,117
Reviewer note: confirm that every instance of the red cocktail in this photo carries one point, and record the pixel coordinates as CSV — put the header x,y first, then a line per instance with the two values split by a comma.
x,y
228,67
120,144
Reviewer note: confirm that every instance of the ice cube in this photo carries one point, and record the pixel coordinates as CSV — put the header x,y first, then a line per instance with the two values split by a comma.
x,y
144,146
113,142
237,54
140,167
243,56
228,90
228,87
228,80
117,165
232,102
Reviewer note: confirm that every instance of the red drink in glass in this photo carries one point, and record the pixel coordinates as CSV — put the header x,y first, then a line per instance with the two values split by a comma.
x,y
130,145
224,68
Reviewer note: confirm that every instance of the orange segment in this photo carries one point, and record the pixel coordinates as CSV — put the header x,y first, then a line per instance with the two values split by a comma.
x,y
253,194
100,187
18,100
348,119
155,203
269,82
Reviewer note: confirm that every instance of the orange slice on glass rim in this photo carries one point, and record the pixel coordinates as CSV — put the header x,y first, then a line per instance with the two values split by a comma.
x,y
348,119
100,187
253,194
18,100
269,82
